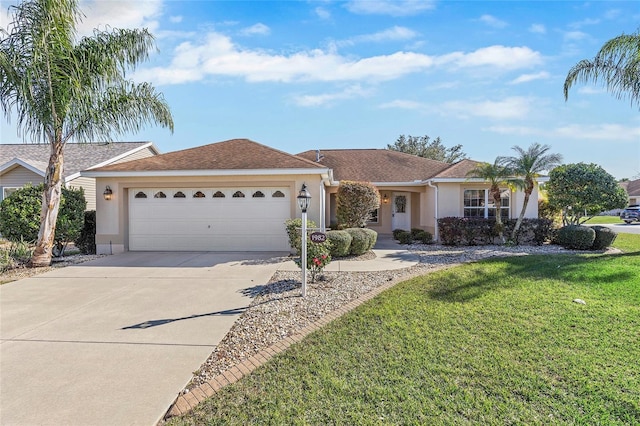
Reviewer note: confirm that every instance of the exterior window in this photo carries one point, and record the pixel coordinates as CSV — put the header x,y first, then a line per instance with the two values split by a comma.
x,y
160,194
218,194
179,194
198,194
6,191
278,194
373,217
258,194
238,194
140,194
478,203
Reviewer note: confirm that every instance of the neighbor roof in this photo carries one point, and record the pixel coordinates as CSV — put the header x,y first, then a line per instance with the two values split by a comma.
x,y
376,165
458,170
235,154
76,156
632,187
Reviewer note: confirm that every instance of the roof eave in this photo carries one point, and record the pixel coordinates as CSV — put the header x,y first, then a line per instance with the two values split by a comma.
x,y
323,172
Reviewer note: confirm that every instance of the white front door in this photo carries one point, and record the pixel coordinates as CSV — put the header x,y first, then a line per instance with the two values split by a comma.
x,y
401,211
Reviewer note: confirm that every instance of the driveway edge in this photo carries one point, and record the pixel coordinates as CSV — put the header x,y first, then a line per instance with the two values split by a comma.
x,y
185,403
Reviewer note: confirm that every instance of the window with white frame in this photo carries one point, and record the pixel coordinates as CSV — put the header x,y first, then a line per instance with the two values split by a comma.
x,y
479,203
7,190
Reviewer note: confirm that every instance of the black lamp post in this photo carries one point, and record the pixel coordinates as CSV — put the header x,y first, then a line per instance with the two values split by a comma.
x,y
304,199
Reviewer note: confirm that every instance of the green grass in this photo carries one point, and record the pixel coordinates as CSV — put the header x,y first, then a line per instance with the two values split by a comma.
x,y
603,220
495,342
628,243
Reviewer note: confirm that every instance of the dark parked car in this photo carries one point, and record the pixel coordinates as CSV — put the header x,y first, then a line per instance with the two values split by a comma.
x,y
631,214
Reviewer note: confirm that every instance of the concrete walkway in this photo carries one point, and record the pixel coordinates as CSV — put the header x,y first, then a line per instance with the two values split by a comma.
x,y
113,341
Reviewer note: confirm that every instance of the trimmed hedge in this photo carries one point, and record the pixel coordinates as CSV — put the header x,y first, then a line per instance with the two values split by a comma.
x,y
404,237
340,243
456,231
360,241
373,237
86,242
294,231
604,237
576,237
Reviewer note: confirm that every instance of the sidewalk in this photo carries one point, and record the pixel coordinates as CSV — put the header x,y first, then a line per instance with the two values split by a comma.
x,y
389,256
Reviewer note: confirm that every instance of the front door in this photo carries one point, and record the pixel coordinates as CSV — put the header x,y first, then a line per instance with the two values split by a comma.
x,y
401,211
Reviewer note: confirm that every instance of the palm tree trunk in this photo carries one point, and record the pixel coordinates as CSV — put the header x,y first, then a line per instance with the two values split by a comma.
x,y
525,203
50,207
497,203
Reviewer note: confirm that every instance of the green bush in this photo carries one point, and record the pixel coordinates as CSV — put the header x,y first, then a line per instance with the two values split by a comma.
x,y
576,237
604,237
373,237
354,203
20,216
318,256
359,241
404,237
397,232
340,243
421,235
294,231
86,242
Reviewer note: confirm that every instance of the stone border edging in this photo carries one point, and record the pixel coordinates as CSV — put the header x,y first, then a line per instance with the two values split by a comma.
x,y
187,402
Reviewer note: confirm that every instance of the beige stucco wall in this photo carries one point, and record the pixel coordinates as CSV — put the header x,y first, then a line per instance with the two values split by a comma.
x,y
112,219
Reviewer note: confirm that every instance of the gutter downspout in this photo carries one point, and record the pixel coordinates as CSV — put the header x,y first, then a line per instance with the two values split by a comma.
x,y
437,233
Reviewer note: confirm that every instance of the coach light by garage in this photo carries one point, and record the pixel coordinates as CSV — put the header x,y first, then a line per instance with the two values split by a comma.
x,y
304,199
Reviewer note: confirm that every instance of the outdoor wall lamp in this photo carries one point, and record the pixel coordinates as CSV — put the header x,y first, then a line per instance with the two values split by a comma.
x,y
304,199
108,193
385,199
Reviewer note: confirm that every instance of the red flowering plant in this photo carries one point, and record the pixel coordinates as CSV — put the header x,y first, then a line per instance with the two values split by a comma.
x,y
318,256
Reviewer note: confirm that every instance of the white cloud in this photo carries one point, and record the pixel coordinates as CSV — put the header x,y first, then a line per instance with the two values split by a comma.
x,y
402,104
525,78
508,58
175,19
390,7
351,92
492,21
591,90
119,14
538,29
257,29
508,108
584,23
322,13
391,34
594,132
574,35
217,55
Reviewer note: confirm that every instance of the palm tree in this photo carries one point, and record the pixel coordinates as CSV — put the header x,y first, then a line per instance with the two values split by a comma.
x,y
497,174
527,166
616,66
63,88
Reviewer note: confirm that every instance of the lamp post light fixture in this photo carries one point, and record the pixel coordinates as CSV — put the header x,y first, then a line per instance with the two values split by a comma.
x,y
304,199
108,193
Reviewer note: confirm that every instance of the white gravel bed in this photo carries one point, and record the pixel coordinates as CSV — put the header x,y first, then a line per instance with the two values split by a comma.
x,y
278,310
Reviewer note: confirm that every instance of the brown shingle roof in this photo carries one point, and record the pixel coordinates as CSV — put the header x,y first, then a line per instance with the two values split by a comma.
x,y
76,156
458,170
633,188
235,154
376,165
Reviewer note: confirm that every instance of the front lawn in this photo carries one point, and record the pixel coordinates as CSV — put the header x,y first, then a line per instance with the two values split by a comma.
x,y
603,220
495,342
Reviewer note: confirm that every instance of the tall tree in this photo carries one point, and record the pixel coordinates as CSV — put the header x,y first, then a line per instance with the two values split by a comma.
x,y
616,66
423,146
63,88
527,165
497,174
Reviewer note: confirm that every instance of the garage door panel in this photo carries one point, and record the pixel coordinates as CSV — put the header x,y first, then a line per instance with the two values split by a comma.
x,y
209,224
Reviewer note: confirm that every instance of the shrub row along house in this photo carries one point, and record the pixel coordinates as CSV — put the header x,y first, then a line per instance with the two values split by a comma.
x,y
236,195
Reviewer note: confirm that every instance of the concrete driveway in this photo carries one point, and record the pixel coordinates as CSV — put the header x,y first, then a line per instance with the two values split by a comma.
x,y
113,341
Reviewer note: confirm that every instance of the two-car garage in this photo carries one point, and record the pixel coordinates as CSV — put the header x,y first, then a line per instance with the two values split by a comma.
x,y
209,219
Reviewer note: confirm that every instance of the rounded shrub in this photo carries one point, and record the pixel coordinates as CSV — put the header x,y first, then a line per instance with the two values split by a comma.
x,y
397,232
604,237
373,237
340,243
576,237
359,241
405,237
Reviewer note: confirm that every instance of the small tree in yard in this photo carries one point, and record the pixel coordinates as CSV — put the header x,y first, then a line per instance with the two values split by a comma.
x,y
355,202
20,216
583,191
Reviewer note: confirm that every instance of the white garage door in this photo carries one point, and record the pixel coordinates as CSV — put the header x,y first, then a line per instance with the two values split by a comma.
x,y
209,219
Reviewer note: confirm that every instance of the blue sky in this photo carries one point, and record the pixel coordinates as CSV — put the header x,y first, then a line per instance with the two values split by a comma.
x,y
300,75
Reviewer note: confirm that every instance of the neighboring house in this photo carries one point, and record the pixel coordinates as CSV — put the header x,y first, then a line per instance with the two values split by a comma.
x,y
22,164
633,190
236,195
